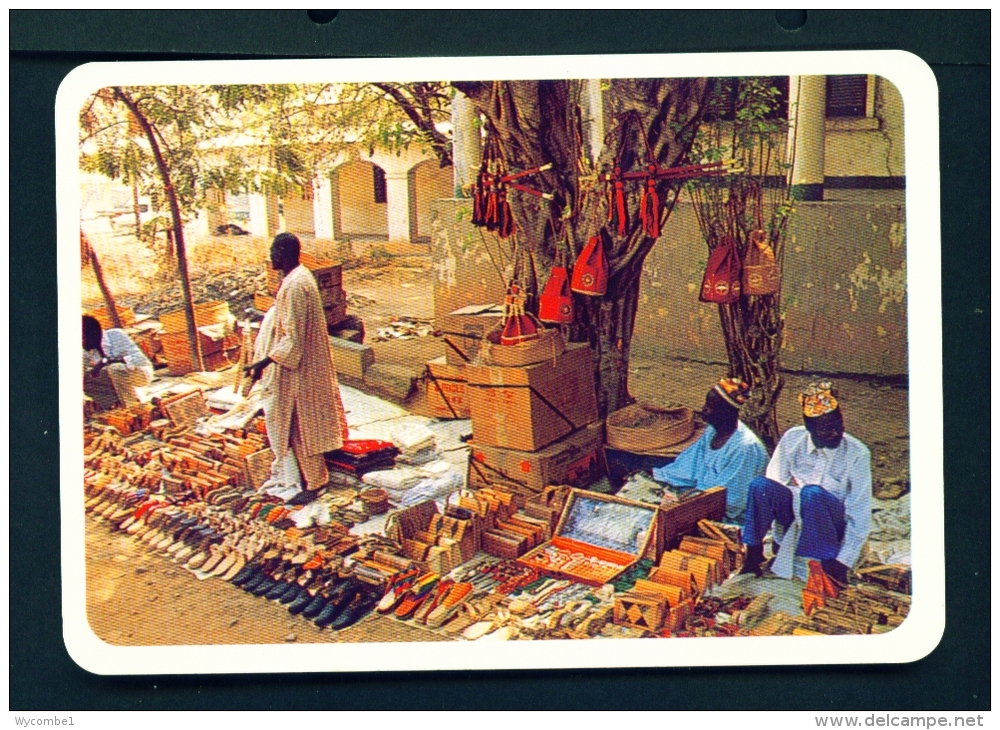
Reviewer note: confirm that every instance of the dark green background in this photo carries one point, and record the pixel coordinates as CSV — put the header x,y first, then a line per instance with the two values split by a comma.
x,y
46,45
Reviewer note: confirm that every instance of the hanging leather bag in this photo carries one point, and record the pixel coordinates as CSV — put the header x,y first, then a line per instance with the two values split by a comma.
x,y
590,272
760,267
555,304
722,284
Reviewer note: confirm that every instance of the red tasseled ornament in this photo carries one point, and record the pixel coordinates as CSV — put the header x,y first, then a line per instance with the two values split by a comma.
x,y
519,326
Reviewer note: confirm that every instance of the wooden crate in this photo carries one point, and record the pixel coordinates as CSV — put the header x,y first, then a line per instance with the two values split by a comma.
x,y
681,518
178,354
566,542
640,610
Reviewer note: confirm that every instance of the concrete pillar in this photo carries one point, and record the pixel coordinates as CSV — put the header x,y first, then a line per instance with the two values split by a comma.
x,y
336,219
263,215
215,210
466,143
593,116
397,198
807,135
322,207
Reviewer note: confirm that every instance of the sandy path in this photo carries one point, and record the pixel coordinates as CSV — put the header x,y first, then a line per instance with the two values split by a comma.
x,y
135,597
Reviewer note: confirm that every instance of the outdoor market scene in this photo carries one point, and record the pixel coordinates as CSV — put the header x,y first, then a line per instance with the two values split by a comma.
x,y
495,361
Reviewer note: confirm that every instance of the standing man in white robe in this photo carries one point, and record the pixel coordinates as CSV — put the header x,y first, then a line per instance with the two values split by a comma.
x,y
817,489
304,411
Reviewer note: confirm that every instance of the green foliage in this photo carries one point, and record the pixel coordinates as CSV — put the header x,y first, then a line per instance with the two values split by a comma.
x,y
271,138
742,125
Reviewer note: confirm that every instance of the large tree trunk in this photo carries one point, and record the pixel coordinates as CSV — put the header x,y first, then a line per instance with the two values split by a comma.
x,y
178,227
541,121
95,264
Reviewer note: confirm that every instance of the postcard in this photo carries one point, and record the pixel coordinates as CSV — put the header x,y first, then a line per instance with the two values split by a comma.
x,y
492,363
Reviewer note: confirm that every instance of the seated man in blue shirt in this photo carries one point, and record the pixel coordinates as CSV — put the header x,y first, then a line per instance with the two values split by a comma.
x,y
817,493
111,355
728,453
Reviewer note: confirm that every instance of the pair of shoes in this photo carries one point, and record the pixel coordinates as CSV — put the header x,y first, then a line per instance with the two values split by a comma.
x,y
449,604
421,591
421,614
397,589
338,598
362,604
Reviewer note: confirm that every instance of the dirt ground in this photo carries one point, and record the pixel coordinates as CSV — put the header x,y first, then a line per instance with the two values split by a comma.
x,y
136,598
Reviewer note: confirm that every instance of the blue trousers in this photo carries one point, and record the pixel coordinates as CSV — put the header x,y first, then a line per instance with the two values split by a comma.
x,y
822,515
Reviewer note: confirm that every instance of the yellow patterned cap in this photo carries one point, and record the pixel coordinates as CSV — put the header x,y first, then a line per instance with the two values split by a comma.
x,y
818,399
734,391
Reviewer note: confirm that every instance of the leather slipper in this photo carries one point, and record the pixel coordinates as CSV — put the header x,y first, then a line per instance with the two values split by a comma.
x,y
236,567
225,564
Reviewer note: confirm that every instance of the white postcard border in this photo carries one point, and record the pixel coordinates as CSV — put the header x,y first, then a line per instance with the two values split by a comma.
x,y
915,638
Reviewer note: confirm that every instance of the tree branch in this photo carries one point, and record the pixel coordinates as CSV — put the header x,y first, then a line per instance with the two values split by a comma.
x,y
440,143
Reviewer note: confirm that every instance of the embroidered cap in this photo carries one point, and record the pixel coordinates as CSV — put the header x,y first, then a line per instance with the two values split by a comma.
x,y
734,391
818,399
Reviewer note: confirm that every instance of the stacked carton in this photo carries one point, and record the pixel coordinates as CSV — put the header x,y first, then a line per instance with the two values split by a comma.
x,y
535,425
218,338
329,279
463,332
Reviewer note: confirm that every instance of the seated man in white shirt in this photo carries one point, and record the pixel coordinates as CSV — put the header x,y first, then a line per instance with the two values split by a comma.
x,y
111,354
817,488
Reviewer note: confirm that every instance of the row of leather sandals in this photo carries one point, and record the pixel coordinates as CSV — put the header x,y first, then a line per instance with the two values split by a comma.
x,y
240,544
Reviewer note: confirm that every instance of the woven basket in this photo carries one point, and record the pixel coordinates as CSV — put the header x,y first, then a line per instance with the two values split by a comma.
x,y
640,430
548,346
376,500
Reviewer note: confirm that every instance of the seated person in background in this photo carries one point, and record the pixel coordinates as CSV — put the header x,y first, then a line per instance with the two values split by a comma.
x,y
111,355
728,453
818,488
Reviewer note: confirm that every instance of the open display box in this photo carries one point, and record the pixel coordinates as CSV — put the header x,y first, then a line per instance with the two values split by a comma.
x,y
597,539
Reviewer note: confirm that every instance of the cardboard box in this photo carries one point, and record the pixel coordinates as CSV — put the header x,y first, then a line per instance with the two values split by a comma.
x,y
262,302
447,390
529,408
576,460
103,315
205,314
350,358
464,329
329,275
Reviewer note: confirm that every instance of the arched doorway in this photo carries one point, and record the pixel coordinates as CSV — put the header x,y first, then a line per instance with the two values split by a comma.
x,y
428,182
359,200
